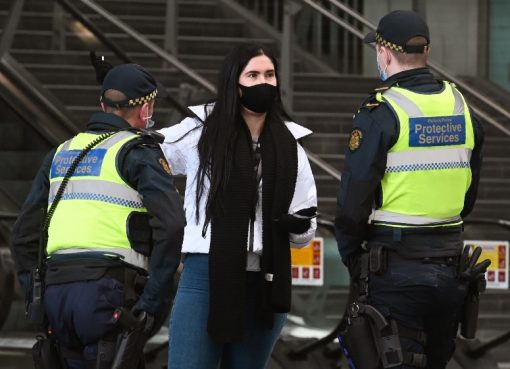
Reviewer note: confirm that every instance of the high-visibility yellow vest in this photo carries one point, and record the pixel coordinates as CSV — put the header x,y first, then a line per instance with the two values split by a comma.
x,y
93,211
428,169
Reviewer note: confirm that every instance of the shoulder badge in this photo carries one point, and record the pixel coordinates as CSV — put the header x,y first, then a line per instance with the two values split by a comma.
x,y
355,139
165,165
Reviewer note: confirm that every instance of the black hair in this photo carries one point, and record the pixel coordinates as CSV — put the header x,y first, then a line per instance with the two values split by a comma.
x,y
224,125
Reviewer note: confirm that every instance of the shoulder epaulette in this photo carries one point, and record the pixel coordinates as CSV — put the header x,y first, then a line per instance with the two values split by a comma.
x,y
152,135
381,89
372,105
449,82
148,135
371,101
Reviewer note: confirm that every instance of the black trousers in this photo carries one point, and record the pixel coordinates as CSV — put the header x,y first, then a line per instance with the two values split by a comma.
x,y
80,314
422,296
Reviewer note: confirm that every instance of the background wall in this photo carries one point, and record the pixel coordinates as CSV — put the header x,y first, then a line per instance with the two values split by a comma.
x,y
453,28
499,43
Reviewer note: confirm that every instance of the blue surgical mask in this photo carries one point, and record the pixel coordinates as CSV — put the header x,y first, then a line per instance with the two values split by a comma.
x,y
383,74
149,123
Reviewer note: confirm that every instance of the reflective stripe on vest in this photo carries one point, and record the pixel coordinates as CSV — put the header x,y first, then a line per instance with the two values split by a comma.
x,y
389,218
93,212
129,256
434,160
428,169
109,192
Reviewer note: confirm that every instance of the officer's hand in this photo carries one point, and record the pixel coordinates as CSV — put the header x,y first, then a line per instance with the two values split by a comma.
x,y
299,222
101,67
469,269
149,325
149,321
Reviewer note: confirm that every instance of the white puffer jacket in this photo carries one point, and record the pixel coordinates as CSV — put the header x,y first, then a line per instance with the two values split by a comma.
x,y
183,159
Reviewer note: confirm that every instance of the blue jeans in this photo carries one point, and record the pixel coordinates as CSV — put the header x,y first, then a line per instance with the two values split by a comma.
x,y
190,345
426,297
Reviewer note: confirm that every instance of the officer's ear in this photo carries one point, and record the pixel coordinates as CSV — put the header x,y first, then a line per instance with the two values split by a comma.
x,y
386,55
144,111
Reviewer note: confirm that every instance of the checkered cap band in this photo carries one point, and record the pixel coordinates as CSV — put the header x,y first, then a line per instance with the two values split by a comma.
x,y
143,99
388,44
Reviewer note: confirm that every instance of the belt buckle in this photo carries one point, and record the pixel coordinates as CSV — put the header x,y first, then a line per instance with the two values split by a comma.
x,y
441,260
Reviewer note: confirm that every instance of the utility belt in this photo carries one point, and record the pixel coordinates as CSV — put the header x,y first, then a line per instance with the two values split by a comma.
x,y
430,245
78,267
379,258
396,232
82,266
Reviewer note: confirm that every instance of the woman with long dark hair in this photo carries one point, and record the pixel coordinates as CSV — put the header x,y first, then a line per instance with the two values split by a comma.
x,y
250,196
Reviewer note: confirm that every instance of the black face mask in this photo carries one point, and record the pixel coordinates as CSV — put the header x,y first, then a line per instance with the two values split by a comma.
x,y
258,98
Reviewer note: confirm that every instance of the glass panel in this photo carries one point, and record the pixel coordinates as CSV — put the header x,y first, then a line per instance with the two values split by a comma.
x,y
499,38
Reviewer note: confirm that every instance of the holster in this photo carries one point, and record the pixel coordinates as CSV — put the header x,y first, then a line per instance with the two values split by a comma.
x,y
129,350
472,273
372,342
369,340
469,315
378,260
45,354
357,342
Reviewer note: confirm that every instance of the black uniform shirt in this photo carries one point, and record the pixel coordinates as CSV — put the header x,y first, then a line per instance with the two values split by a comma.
x,y
364,167
141,165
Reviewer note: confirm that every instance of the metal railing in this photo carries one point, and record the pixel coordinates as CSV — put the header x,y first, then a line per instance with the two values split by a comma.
x,y
170,39
25,94
442,71
149,45
324,165
10,26
333,44
345,15
33,103
309,34
333,31
7,215
170,42
105,40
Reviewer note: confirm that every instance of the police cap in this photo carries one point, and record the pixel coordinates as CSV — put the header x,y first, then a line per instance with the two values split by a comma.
x,y
133,81
395,29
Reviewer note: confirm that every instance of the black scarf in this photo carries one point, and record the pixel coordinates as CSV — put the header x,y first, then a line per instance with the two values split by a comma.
x,y
229,233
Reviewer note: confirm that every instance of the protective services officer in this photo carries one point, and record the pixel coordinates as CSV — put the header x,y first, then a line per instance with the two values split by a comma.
x,y
411,174
114,224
